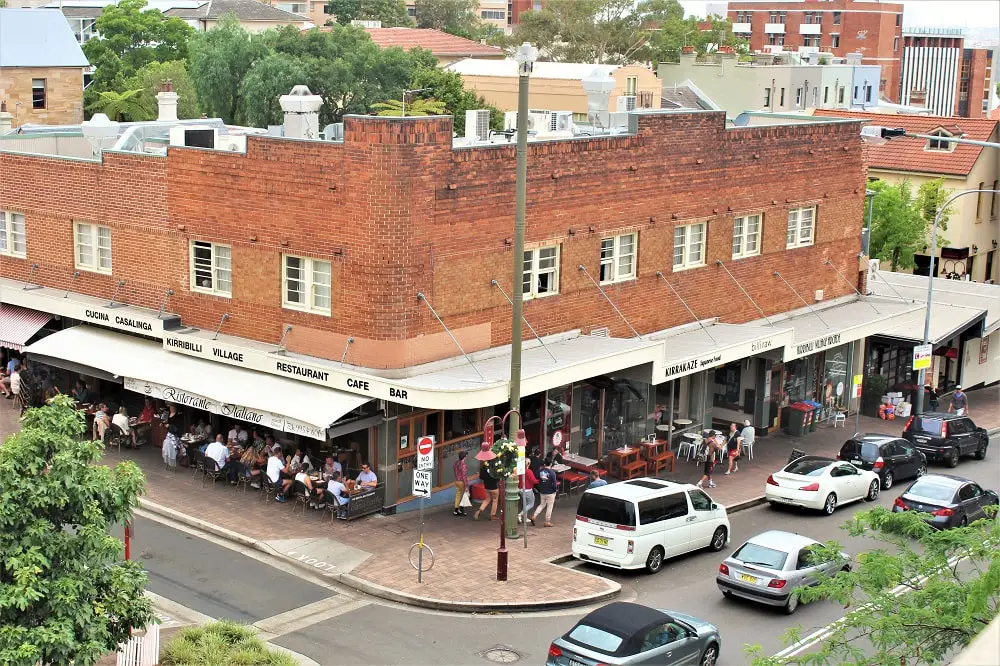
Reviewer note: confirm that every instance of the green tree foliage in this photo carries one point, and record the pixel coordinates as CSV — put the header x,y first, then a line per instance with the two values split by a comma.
x,y
900,225
269,79
222,643
416,107
151,77
950,583
130,105
65,594
456,17
448,88
392,13
220,59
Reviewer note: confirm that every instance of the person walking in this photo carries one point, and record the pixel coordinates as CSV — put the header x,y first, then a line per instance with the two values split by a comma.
x,y
547,486
931,396
528,481
734,445
490,483
461,472
959,402
706,456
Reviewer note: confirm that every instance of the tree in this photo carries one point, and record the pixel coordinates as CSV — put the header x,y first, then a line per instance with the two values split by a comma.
x,y
128,106
951,591
269,79
900,224
65,595
456,17
416,107
220,59
221,644
448,88
151,77
391,13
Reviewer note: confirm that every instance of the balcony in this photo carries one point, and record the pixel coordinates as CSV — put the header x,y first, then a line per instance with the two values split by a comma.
x,y
743,28
774,28
810,29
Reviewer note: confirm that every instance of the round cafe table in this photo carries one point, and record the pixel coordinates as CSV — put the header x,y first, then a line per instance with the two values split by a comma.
x,y
683,422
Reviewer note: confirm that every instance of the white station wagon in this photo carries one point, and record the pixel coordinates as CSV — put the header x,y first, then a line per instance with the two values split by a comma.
x,y
640,523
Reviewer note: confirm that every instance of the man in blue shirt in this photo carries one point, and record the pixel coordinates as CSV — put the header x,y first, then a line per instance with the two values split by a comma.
x,y
595,480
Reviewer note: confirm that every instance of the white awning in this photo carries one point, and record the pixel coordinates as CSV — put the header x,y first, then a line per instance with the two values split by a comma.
x,y
947,321
696,349
976,295
244,395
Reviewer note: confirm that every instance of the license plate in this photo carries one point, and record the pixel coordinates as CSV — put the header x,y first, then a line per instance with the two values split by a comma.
x,y
746,578
574,662
600,541
856,463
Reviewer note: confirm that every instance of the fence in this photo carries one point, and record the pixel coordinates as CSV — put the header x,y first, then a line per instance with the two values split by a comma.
x,y
141,650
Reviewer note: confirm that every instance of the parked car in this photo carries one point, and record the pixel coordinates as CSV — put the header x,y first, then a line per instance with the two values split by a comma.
x,y
946,437
949,501
640,523
626,633
890,457
769,567
822,484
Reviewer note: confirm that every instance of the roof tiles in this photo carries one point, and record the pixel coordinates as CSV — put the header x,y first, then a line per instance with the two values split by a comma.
x,y
437,42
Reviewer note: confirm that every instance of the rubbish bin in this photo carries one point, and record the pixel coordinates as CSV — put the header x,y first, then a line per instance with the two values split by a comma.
x,y
814,415
798,419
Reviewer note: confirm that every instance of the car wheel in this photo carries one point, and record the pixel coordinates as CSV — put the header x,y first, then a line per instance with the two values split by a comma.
x,y
953,457
655,560
981,451
718,539
846,568
964,522
887,481
921,470
830,505
793,603
873,491
710,655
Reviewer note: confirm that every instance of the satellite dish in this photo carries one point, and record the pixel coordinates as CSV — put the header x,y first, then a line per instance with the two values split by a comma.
x,y
742,120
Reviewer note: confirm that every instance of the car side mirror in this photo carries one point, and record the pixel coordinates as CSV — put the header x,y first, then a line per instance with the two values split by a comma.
x,y
993,494
715,507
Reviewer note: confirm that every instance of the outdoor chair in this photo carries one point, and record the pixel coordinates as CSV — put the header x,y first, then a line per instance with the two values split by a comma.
x,y
197,463
114,436
301,495
243,476
268,489
211,469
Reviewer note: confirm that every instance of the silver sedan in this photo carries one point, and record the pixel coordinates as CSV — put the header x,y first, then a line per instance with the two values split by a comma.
x,y
769,567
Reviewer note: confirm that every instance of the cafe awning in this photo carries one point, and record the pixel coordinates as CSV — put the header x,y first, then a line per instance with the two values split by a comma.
x,y
244,395
18,324
689,350
947,322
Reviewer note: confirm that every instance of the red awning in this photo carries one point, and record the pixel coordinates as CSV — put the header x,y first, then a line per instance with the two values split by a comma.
x,y
947,352
18,324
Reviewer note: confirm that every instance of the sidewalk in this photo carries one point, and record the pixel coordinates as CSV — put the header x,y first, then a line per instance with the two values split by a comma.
x,y
371,554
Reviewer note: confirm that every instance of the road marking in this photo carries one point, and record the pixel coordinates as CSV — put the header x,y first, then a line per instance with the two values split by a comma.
x,y
172,614
311,561
304,616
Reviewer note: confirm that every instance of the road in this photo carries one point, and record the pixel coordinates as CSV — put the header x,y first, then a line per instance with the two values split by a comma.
x,y
338,626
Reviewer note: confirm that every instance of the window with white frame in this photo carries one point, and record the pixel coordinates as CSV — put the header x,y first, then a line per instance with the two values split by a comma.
x,y
746,236
618,258
13,241
306,284
212,268
541,272
801,224
938,144
93,247
689,246
493,14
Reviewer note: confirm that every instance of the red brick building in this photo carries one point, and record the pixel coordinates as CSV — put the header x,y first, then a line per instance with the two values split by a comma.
x,y
873,29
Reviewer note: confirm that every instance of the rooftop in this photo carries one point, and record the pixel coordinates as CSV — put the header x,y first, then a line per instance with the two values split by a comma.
x,y
570,71
437,42
38,38
93,8
245,10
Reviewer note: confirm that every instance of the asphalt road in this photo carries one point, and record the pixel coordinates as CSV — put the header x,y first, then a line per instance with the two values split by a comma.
x,y
221,583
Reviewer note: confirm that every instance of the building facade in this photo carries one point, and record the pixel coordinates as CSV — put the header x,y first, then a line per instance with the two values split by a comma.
x,y
941,73
873,29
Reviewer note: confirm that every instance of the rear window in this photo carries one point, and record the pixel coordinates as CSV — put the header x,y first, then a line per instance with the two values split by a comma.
x,y
606,509
807,467
929,426
931,490
864,450
751,553
595,638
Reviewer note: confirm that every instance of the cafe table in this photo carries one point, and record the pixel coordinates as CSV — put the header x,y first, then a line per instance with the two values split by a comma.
x,y
580,463
619,459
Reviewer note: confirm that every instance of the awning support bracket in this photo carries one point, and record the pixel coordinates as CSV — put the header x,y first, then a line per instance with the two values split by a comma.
x,y
163,305
582,268
421,297
660,275
221,322
114,297
804,301
28,286
524,319
872,305
343,358
76,274
719,263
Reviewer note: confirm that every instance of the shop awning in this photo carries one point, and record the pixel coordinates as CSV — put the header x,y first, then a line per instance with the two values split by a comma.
x,y
18,324
244,395
976,295
694,349
947,322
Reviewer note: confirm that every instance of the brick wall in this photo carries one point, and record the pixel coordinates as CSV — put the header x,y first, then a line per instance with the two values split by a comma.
x,y
397,211
63,92
980,81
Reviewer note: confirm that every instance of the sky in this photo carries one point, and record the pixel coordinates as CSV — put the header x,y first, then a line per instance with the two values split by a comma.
x,y
937,13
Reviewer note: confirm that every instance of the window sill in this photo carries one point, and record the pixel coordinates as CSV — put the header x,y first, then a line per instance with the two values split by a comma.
x,y
14,255
209,292
797,246
621,281
91,269
737,257
690,267
305,310
535,297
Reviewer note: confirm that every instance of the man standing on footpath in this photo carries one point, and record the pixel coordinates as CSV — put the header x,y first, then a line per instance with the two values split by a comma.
x,y
547,486
959,402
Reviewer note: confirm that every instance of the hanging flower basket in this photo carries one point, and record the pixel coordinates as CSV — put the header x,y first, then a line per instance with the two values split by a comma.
x,y
505,464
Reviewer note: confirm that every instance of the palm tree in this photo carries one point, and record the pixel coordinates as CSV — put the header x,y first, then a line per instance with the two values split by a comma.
x,y
418,107
127,106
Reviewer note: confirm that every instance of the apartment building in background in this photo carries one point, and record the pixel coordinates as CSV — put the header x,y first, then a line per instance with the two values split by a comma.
x,y
501,13
873,29
941,73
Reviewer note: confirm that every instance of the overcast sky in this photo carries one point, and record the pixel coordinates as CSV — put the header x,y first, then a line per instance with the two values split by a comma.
x,y
938,13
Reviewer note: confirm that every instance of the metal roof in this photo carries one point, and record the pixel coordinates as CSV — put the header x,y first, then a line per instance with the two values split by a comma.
x,y
975,295
38,38
571,71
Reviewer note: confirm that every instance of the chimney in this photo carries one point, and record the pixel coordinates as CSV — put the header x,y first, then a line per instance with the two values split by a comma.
x,y
6,119
167,101
301,109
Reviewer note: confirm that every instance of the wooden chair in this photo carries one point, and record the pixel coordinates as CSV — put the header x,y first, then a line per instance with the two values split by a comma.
x,y
660,462
634,470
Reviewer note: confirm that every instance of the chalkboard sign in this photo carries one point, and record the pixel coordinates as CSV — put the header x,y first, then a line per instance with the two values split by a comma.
x,y
366,502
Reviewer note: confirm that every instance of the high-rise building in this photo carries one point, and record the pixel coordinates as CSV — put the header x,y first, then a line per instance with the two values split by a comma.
x,y
941,73
871,28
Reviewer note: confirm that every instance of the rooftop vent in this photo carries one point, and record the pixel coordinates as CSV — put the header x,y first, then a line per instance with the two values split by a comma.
x,y
301,109
598,86
100,131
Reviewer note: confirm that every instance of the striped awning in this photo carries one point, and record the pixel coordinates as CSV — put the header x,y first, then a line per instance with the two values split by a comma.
x,y
18,324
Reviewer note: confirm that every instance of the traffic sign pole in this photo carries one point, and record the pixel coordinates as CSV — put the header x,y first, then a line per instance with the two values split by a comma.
x,y
425,465
420,551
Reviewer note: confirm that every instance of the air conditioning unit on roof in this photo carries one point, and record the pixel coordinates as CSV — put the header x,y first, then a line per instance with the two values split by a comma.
x,y
561,121
477,124
626,103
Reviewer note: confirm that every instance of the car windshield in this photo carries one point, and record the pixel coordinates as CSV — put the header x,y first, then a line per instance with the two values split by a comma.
x,y
752,553
932,490
929,426
595,638
606,509
807,467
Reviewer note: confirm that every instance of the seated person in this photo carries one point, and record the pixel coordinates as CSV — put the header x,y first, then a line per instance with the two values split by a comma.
x,y
121,420
148,411
219,452
101,421
202,430
274,472
337,492
367,478
80,393
331,466
301,476
299,459
237,435
257,441
5,384
595,480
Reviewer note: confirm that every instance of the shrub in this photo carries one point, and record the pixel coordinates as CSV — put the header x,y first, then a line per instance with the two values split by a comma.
x,y
222,643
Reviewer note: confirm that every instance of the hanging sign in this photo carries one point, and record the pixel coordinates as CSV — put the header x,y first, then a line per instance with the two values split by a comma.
x,y
922,357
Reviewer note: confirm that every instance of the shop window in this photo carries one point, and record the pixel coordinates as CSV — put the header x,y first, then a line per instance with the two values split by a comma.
x,y
211,268
461,423
93,247
306,284
746,236
801,223
618,255
541,272
689,246
13,241
727,386
38,96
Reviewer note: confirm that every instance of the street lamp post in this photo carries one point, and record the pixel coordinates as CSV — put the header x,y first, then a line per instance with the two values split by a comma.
x,y
508,507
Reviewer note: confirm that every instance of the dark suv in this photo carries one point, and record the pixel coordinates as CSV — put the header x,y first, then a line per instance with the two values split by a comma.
x,y
946,437
890,457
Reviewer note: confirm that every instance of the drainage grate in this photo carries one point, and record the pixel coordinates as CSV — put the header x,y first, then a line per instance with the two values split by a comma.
x,y
501,654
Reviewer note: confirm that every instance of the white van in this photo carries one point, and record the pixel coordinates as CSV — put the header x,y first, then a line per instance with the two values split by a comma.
x,y
639,523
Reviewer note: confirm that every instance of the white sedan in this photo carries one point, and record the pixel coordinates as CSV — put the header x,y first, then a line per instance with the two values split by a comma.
x,y
821,484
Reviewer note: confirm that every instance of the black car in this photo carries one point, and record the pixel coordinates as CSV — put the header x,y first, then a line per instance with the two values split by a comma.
x,y
946,437
949,501
890,457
